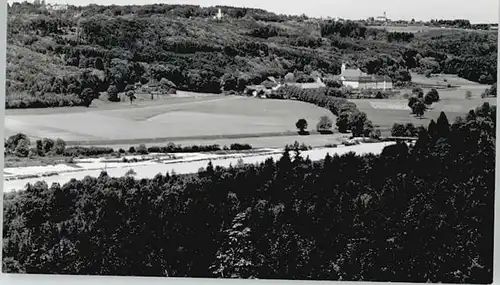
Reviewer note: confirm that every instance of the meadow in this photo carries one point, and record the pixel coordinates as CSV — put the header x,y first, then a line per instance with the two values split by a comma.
x,y
185,117
384,113
443,80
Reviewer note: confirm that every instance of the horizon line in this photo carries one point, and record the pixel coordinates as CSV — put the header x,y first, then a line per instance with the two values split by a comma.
x,y
248,7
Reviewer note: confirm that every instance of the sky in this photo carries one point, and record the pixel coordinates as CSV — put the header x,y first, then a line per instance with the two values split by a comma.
x,y
477,11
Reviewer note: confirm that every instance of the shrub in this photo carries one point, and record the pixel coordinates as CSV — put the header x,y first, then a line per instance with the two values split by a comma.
x,y
237,146
434,94
32,152
332,83
376,134
324,125
154,149
130,172
142,149
59,146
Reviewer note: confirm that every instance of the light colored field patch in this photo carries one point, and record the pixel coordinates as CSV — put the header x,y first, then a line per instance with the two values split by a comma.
x,y
380,105
443,80
452,103
219,117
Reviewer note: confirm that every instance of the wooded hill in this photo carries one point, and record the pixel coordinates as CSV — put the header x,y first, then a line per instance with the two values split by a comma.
x,y
418,214
65,57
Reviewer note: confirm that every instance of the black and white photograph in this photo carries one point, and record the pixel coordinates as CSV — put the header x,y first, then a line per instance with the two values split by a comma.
x,y
266,140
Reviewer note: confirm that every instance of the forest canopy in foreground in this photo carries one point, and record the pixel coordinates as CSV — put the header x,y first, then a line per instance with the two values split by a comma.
x,y
422,213
66,57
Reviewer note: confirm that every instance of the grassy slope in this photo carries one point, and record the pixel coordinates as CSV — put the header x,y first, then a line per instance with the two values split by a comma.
x,y
222,116
384,113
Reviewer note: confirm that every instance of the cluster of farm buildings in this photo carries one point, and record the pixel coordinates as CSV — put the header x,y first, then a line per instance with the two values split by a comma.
x,y
349,77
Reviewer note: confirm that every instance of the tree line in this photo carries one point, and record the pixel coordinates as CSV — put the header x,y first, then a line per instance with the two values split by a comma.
x,y
19,145
349,118
124,46
421,213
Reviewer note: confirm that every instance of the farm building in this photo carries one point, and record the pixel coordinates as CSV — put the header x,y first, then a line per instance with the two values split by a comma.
x,y
265,88
357,79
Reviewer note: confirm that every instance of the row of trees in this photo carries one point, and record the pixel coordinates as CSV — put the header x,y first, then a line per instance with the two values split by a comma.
x,y
349,118
419,103
405,130
20,145
411,214
324,125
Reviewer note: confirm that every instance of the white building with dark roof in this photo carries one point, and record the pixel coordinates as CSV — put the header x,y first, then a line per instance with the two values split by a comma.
x,y
357,79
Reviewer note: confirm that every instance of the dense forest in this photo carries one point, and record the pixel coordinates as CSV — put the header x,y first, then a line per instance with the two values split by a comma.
x,y
422,212
67,57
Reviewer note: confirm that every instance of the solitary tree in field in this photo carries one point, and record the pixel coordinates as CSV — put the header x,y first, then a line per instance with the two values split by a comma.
x,y
412,100
468,95
325,124
131,96
428,100
418,108
301,125
434,94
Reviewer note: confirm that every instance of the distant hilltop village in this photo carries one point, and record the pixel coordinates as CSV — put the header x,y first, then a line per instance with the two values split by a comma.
x,y
219,15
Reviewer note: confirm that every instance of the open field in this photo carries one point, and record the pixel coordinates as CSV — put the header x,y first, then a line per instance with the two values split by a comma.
x,y
384,113
442,81
17,178
190,116
144,100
